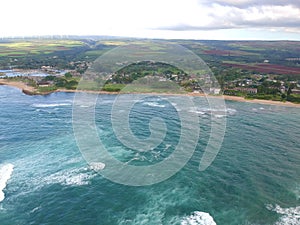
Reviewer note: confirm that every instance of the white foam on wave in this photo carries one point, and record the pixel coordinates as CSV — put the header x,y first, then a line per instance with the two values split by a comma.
x,y
290,216
73,177
84,106
219,116
5,174
153,104
231,111
50,105
197,112
35,209
214,111
198,218
97,166
258,109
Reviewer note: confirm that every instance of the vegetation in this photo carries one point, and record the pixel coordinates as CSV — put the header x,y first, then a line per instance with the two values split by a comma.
x,y
113,87
293,98
260,69
148,76
67,81
46,89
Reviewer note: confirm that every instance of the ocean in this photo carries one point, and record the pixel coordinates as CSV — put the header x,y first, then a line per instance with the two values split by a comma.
x,y
44,179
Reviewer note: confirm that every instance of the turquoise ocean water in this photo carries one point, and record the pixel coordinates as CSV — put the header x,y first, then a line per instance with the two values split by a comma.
x,y
254,180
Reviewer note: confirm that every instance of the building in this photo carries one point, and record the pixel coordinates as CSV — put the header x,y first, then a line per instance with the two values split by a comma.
x,y
44,83
246,90
295,91
215,91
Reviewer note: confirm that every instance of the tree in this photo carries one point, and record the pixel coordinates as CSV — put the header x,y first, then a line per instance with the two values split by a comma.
x,y
289,91
68,75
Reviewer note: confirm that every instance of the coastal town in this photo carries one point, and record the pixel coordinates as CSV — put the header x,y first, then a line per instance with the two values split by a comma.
x,y
233,72
259,86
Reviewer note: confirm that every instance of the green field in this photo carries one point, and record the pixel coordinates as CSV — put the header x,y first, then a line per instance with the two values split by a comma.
x,y
36,46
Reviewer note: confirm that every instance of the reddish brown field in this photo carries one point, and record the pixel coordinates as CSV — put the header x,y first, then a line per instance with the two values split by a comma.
x,y
227,53
269,44
267,68
217,52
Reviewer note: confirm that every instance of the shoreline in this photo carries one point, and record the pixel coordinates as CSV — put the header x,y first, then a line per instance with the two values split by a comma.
x,y
32,91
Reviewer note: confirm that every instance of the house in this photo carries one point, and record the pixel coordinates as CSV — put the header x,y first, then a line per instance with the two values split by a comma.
x,y
162,79
295,91
282,89
215,91
246,90
44,83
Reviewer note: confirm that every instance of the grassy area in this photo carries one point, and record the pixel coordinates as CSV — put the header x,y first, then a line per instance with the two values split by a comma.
x,y
36,46
139,86
113,87
265,97
246,47
114,43
47,89
96,52
294,98
88,85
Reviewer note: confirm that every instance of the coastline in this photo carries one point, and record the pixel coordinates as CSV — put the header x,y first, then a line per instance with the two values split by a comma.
x,y
17,84
32,91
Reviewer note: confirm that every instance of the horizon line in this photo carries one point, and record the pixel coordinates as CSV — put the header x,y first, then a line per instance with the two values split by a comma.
x,y
73,36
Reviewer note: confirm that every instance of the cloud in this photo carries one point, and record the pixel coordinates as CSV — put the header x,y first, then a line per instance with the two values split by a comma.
x,y
262,16
186,27
145,18
249,3
221,16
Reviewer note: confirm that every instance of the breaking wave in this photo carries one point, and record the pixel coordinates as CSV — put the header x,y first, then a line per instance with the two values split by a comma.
x,y
154,104
51,105
73,177
290,216
5,174
198,218
218,113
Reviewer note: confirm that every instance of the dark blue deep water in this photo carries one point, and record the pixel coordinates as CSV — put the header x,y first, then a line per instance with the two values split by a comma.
x,y
254,180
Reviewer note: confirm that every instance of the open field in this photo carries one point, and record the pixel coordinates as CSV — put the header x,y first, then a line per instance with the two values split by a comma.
x,y
266,68
229,53
36,46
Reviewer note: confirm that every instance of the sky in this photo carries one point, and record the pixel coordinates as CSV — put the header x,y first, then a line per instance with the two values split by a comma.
x,y
170,19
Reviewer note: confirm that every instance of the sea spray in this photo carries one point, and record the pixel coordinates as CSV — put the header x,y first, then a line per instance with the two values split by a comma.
x,y
198,218
290,216
5,174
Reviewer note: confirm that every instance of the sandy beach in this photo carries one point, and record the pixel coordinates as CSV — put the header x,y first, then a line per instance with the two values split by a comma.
x,y
260,101
17,84
28,89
